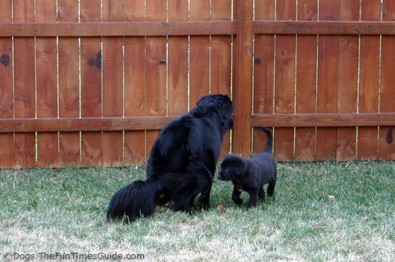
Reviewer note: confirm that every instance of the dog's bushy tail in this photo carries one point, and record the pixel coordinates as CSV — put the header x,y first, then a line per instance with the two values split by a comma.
x,y
269,145
134,200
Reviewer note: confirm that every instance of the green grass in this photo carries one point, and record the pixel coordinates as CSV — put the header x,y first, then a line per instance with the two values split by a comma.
x,y
327,211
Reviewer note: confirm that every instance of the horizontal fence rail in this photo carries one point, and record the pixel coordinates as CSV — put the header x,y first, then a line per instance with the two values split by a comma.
x,y
76,29
71,29
324,120
21,125
325,27
83,124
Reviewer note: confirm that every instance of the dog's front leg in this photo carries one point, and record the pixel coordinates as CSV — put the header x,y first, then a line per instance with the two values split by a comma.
x,y
236,196
253,198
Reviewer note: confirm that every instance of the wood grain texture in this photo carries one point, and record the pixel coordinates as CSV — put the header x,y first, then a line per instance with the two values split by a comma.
x,y
199,54
347,80
46,79
7,150
91,85
135,84
369,81
306,74
151,28
221,61
328,50
324,119
23,125
69,85
242,78
387,90
263,90
178,61
24,85
157,66
325,27
113,84
285,69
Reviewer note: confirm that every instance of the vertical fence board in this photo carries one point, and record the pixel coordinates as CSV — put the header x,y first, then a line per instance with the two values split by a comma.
x,y
347,82
387,90
221,9
265,9
135,83
328,50
112,84
285,82
24,90
199,54
46,77
306,82
338,60
178,61
69,98
263,70
221,60
91,84
369,81
243,57
135,86
156,63
6,99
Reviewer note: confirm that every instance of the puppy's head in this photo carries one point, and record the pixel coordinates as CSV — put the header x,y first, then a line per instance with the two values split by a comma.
x,y
219,104
232,167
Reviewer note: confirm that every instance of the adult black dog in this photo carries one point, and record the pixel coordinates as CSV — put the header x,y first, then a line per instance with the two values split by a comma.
x,y
181,164
251,175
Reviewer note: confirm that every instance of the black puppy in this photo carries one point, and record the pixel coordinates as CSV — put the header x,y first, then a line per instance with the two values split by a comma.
x,y
251,175
181,164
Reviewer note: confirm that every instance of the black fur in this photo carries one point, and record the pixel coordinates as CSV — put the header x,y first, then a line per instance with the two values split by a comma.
x,y
181,164
251,175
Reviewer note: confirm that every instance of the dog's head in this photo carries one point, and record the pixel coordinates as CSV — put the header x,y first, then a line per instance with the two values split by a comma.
x,y
217,104
232,167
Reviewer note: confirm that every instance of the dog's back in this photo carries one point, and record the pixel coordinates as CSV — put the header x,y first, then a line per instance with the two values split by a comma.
x,y
267,170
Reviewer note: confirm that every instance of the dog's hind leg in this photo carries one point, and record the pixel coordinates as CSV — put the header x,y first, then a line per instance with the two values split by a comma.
x,y
205,180
192,185
183,197
236,196
261,193
253,198
204,200
270,188
184,203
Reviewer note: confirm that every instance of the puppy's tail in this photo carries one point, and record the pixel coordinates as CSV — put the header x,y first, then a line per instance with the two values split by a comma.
x,y
134,200
269,145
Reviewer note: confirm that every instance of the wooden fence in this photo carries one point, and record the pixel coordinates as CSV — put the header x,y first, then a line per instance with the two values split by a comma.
x,y
92,82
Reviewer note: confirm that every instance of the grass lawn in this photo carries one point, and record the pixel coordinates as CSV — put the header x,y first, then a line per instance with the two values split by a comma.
x,y
327,211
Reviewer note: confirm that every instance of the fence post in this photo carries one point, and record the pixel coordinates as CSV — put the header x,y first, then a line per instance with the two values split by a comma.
x,y
242,88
